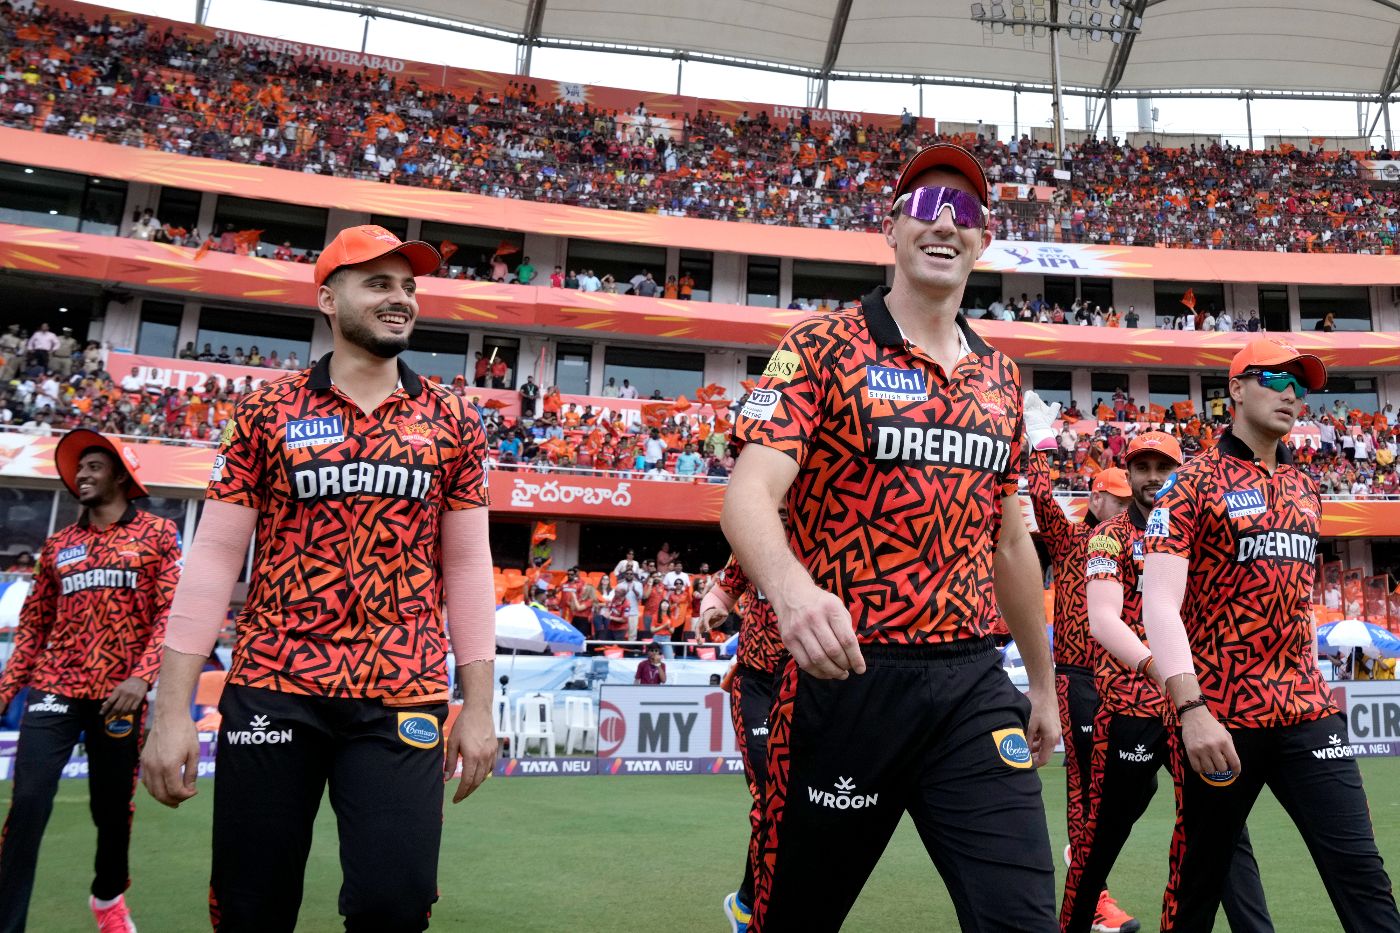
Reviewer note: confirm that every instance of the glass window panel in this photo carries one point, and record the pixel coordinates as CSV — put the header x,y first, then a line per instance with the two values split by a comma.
x,y
672,372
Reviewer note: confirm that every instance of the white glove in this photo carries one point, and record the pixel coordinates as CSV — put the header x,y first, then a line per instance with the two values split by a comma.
x,y
1040,422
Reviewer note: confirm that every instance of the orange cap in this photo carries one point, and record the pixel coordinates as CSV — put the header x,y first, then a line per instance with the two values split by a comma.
x,y
1272,353
70,450
943,155
1157,442
355,245
1112,481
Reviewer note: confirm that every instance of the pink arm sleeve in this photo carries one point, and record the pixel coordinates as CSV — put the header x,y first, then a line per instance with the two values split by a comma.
x,y
1106,623
471,594
716,598
211,570
1163,588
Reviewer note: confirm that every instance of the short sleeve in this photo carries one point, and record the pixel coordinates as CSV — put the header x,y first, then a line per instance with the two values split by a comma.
x,y
467,487
1105,554
1011,476
784,410
732,579
1171,526
239,473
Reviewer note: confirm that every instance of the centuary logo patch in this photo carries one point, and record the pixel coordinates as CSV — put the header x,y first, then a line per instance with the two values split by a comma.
x,y
760,405
418,729
119,727
1013,747
845,797
313,432
1242,502
896,385
1105,543
1159,523
216,475
782,366
71,555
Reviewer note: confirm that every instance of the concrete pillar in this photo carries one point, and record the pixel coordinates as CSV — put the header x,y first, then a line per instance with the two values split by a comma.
x,y
1295,316
189,326
139,196
208,207
566,548
1082,389
1197,394
729,275
338,219
1138,389
595,369
727,368
545,253
785,281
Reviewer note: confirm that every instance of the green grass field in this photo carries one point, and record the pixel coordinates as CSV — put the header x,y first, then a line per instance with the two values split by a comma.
x,y
633,854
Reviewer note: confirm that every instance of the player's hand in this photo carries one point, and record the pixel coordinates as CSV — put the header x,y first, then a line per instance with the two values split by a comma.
x,y
1209,745
473,740
126,697
1043,728
170,760
816,629
1039,419
709,619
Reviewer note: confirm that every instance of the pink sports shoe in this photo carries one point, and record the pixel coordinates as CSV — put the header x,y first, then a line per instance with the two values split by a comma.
x,y
114,919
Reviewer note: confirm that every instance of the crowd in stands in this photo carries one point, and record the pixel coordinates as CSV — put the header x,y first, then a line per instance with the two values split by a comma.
x,y
141,87
1085,314
1349,452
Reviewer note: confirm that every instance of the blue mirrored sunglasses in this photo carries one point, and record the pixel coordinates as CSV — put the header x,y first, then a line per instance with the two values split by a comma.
x,y
1280,381
927,203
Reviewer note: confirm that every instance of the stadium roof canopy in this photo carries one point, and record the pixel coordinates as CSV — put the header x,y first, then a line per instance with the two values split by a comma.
x,y
1349,48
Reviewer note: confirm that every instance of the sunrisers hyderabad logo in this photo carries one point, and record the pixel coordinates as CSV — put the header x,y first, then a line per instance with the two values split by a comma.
x,y
612,729
417,433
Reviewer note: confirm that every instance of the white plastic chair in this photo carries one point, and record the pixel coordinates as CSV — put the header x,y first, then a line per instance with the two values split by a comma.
x,y
534,722
579,723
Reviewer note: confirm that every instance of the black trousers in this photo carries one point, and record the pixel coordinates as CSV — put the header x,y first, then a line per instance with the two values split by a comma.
x,y
1128,753
1079,702
750,701
934,731
277,754
1309,768
51,727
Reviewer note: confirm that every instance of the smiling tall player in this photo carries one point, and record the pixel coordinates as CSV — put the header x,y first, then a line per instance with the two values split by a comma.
x,y
367,487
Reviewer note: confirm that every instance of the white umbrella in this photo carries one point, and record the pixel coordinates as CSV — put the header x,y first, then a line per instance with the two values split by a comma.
x,y
1373,640
12,594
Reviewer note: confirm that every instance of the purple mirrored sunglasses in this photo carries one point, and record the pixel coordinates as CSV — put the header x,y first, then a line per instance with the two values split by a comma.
x,y
927,203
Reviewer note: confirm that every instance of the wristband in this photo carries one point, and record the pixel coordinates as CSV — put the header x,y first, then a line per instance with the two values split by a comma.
x,y
1188,706
1142,665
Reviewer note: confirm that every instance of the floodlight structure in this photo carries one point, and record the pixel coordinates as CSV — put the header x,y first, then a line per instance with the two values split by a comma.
x,y
1085,20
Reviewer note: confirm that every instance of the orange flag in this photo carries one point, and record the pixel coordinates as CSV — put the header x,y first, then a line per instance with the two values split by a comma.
x,y
204,247
506,248
1189,299
447,249
247,240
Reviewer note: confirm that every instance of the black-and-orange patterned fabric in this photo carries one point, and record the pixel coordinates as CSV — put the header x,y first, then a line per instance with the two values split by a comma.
x,y
1115,553
1065,541
96,613
760,645
897,503
1251,539
345,598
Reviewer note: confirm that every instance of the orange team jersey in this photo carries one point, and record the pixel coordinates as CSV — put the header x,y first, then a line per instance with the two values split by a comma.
x,y
1115,553
1065,541
760,645
96,612
897,503
346,597
1251,539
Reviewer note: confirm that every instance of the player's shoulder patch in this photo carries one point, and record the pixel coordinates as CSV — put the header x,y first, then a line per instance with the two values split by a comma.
x,y
1159,523
1105,544
1167,486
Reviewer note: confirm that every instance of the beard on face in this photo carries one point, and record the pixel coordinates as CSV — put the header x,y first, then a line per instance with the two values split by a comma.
x,y
358,328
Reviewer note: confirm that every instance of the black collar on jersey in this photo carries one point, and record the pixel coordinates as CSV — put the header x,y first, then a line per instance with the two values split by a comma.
x,y
129,516
1232,446
1136,517
886,332
321,377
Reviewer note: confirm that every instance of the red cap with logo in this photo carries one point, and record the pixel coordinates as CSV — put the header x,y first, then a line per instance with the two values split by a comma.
x,y
70,450
355,245
1112,481
1272,353
1156,442
943,155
